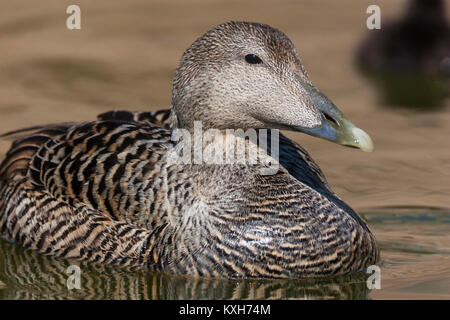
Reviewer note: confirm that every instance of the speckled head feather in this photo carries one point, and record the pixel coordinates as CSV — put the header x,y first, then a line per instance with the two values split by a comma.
x,y
215,84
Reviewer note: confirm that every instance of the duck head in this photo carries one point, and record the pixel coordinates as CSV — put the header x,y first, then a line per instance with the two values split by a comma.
x,y
242,75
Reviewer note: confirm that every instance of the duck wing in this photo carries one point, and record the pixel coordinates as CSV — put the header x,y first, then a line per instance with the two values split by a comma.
x,y
61,190
94,163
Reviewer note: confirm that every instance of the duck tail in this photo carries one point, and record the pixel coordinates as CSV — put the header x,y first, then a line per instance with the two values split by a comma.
x,y
17,159
31,129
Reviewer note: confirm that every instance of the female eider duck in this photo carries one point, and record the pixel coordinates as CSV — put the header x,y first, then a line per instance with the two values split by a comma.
x,y
108,191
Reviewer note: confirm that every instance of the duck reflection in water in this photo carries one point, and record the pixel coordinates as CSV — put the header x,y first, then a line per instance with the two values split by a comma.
x,y
29,275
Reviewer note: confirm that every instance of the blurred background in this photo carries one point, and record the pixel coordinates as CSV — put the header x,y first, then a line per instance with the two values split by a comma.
x,y
392,82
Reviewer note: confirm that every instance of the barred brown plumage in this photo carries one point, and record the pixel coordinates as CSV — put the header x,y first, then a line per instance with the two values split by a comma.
x,y
105,191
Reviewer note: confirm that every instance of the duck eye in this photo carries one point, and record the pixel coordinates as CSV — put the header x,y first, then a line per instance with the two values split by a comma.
x,y
253,59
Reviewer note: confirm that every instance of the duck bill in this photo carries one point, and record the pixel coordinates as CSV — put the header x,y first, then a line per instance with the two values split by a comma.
x,y
345,134
335,126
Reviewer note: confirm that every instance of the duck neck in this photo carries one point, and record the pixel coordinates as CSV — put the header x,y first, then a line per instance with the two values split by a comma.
x,y
179,122
209,146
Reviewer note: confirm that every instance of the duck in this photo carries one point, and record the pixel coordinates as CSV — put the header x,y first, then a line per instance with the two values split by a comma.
x,y
121,191
409,57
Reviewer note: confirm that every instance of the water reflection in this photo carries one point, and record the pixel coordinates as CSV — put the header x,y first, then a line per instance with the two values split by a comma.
x,y
408,59
414,245
29,275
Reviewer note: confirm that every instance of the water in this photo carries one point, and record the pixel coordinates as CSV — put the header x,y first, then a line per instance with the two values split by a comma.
x,y
125,58
412,241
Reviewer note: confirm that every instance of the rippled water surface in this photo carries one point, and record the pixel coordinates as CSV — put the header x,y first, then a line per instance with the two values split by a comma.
x,y
124,57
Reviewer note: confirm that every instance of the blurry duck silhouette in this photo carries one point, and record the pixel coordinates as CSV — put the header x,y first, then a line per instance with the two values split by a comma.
x,y
409,59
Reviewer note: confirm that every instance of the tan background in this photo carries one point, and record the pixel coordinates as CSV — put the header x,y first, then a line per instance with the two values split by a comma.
x,y
126,53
